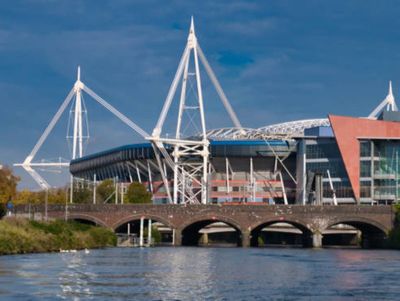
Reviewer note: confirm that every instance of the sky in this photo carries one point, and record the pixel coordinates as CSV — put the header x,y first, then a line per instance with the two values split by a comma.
x,y
276,61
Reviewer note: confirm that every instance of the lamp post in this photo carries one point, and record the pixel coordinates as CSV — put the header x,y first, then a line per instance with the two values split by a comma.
x,y
66,203
46,200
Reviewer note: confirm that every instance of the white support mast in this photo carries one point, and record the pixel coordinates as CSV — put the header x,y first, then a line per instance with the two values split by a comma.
x,y
388,104
77,144
78,135
190,162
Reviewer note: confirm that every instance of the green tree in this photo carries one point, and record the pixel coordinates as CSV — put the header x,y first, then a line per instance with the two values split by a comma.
x,y
138,194
82,193
8,184
105,189
59,195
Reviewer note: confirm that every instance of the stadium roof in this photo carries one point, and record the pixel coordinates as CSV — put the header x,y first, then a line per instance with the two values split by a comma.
x,y
285,130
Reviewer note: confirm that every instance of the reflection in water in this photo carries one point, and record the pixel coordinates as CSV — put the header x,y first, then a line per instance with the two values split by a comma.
x,y
202,274
75,279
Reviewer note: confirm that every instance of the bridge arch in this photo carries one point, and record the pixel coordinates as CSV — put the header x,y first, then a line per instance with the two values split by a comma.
x,y
189,231
373,233
87,218
137,217
293,237
128,229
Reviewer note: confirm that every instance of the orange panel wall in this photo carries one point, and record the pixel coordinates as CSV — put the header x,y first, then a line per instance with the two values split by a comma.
x,y
348,131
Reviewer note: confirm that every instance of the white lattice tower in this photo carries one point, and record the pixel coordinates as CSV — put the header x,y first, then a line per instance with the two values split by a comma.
x,y
78,130
190,157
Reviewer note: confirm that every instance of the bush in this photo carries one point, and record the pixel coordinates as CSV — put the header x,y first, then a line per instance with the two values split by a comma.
x,y
22,236
155,234
3,210
260,240
394,235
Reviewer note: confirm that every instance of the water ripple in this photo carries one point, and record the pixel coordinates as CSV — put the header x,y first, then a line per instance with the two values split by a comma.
x,y
202,274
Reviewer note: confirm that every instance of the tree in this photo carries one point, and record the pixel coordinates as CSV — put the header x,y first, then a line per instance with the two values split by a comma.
x,y
138,194
26,196
56,196
82,193
8,184
105,189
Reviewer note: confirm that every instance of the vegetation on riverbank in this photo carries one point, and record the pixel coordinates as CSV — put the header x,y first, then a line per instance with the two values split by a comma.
x,y
22,236
394,235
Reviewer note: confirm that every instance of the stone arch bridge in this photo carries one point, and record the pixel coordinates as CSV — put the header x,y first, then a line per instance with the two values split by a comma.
x,y
375,222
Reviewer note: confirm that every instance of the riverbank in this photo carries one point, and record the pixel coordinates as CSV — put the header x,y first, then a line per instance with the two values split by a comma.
x,y
18,236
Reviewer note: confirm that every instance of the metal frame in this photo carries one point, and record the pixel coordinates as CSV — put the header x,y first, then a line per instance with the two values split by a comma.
x,y
285,130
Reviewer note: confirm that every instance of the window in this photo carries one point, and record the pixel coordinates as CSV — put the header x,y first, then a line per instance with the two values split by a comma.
x,y
365,149
365,168
335,167
322,150
365,189
342,189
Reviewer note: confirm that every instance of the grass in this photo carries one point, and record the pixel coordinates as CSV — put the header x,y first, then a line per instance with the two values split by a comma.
x,y
19,236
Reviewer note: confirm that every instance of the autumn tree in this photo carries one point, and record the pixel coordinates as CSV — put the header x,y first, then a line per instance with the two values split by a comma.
x,y
55,196
138,194
8,184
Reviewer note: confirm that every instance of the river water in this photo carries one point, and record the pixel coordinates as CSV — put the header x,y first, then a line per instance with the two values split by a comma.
x,y
202,274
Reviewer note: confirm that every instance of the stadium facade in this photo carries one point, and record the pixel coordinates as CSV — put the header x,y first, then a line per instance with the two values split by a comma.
x,y
339,159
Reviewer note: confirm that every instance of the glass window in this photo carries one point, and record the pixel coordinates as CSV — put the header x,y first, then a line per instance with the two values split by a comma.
x,y
322,150
335,167
365,148
342,189
365,168
365,189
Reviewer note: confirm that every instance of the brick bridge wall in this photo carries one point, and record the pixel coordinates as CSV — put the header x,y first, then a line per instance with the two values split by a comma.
x,y
245,218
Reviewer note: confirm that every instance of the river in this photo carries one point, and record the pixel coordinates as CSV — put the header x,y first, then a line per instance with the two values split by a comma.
x,y
168,273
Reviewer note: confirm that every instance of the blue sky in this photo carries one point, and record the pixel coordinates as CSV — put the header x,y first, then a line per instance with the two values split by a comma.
x,y
276,60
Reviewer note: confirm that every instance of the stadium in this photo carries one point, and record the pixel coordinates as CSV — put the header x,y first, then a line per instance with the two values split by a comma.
x,y
333,160
311,158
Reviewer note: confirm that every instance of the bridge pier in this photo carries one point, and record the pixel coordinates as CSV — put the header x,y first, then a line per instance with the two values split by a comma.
x,y
317,240
177,237
246,237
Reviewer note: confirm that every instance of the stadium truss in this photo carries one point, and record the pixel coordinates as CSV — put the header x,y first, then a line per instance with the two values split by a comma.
x,y
285,130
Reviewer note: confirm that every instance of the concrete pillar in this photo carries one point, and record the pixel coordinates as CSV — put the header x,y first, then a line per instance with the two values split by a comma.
x,y
246,239
149,233
141,232
122,193
301,172
94,188
317,240
318,189
204,238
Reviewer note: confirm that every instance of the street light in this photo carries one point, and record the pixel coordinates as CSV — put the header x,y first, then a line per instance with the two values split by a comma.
x,y
46,199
